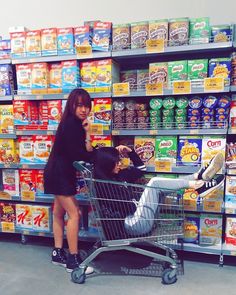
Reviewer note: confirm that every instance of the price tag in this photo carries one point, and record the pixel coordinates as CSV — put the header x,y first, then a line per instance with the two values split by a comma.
x,y
121,89
25,232
155,46
8,227
153,132
25,166
214,84
194,131
5,196
181,87
49,132
27,196
154,89
65,96
84,51
96,129
115,132
163,166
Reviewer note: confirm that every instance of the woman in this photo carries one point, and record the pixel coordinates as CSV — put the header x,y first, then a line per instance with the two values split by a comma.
x,y
72,143
139,215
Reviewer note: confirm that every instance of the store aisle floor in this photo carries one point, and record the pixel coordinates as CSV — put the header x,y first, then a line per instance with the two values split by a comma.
x,y
26,270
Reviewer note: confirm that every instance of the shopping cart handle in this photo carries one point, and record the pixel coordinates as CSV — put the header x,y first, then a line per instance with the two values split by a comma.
x,y
79,165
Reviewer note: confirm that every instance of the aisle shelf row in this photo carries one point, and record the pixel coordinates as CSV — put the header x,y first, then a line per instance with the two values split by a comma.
x,y
21,166
54,96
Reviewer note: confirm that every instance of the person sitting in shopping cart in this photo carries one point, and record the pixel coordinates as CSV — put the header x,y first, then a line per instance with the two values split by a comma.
x,y
137,214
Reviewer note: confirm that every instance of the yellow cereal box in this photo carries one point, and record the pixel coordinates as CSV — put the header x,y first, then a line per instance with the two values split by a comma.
x,y
7,119
24,216
107,73
33,43
41,218
145,147
210,229
101,141
88,72
190,199
39,75
7,151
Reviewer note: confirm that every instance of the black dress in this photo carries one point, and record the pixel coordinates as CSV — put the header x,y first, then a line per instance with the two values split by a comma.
x,y
69,146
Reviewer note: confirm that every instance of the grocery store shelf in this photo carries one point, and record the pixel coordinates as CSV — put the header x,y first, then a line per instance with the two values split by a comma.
x,y
35,132
232,131
8,135
177,169
5,61
31,166
213,249
229,250
233,88
230,211
134,53
9,166
6,98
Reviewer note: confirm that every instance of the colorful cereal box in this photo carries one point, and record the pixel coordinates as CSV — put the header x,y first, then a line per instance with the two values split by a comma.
x,y
101,36
65,41
139,34
33,43
230,233
107,73
39,182
6,80
82,35
121,36
130,77
6,119
211,146
221,33
158,29
27,182
191,228
39,75
158,72
10,181
18,44
7,217
54,113
70,75
43,112
220,67
189,150
88,72
177,71
55,75
230,194
5,49
42,148
144,146
49,41
23,75
7,151
166,148
21,112
178,31
102,111
24,216
41,218
142,78
26,146
197,69
190,197
101,141
210,229
199,30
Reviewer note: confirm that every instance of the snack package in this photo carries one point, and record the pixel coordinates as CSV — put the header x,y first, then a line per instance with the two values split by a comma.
x,y
144,146
23,76
166,148
191,228
24,216
49,41
221,33
10,181
33,43
55,75
101,36
65,41
101,141
199,30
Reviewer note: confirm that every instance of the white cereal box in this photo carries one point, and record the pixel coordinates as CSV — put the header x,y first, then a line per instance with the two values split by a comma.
x,y
230,233
26,149
24,216
42,148
41,216
10,180
210,229
230,194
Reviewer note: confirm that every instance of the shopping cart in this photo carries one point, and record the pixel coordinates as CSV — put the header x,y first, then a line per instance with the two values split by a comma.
x,y
157,219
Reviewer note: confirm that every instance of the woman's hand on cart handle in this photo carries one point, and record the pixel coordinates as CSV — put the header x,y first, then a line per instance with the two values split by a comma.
x,y
86,126
123,149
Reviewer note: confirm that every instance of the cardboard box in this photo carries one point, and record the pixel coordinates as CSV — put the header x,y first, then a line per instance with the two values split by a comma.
x,y
101,36
82,35
7,217
144,146
6,80
49,41
189,151
10,181
41,216
18,44
24,216
88,72
210,229
42,148
70,75
33,43
55,75
166,148
107,74
121,36
54,113
197,69
39,75
199,30
7,151
191,228
158,72
6,119
26,146
65,41
23,75
101,141
39,182
230,194
177,71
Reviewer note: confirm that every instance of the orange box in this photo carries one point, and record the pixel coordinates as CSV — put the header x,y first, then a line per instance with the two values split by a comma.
x,y
55,75
49,41
33,43
18,44
26,149
39,75
23,75
54,112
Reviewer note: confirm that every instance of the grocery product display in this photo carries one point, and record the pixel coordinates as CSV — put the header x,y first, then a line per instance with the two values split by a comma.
x,y
175,130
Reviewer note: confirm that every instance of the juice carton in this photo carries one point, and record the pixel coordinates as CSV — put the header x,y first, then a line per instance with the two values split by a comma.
x,y
197,69
70,75
220,67
101,141
158,72
130,77
42,148
6,80
55,75
142,78
10,181
27,182
107,73
101,36
199,30
41,216
230,194
189,150
177,71
102,111
21,112
211,146
158,29
33,43
191,228
7,151
43,112
23,75
26,149
24,216
210,229
54,113
7,217
39,182
7,119
121,36
18,44
144,146
82,35
88,72
65,41
39,75
166,148
230,233
49,41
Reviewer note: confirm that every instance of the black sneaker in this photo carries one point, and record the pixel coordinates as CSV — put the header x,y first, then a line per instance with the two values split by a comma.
x,y
73,261
210,170
210,186
59,257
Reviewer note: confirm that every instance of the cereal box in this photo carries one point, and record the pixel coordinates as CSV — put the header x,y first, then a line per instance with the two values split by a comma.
x,y
27,183
88,72
191,228
42,148
21,112
101,36
6,80
23,75
26,146
221,33
10,181
55,75
6,119
24,216
158,72
121,36
81,187
142,78
144,146
189,151
199,30
82,35
139,34
230,194
43,112
158,29
39,182
70,75
197,69
33,43
7,151
177,71
49,41
41,216
130,77
54,113
65,41
190,197
5,49
101,141
166,148
107,73
7,217
33,113
210,229
178,31
39,75
230,233
211,146
102,111
213,201
18,44
220,67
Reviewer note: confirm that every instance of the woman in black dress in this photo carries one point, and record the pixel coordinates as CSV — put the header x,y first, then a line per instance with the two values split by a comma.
x,y
72,143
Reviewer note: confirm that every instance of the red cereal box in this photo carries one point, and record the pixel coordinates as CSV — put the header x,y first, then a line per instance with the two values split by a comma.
x,y
27,181
43,112
39,182
21,112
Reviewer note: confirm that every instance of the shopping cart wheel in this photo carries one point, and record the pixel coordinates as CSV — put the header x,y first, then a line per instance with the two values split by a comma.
x,y
78,276
166,278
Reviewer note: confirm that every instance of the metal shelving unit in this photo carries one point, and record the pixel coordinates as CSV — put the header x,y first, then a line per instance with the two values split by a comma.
x,y
57,96
211,249
5,61
6,98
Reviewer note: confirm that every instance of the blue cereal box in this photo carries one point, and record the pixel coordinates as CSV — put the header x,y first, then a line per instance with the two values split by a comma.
x,y
65,41
220,67
191,228
101,36
189,150
5,49
221,33
70,75
82,35
6,80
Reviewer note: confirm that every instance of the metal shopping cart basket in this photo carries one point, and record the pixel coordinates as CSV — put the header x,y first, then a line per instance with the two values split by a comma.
x,y
128,215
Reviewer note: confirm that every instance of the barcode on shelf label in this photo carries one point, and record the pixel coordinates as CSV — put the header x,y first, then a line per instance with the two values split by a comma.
x,y
96,129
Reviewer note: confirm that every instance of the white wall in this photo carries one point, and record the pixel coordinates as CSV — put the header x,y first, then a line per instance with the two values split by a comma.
x,y
60,13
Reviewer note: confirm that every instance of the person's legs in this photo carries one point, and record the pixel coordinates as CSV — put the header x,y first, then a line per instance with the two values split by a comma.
x,y
58,223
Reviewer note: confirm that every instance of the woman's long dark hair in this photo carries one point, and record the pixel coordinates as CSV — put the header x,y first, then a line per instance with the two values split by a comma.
x,y
104,162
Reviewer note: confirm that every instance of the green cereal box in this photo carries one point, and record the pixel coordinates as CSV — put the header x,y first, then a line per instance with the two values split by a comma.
x,y
177,71
197,69
199,30
166,147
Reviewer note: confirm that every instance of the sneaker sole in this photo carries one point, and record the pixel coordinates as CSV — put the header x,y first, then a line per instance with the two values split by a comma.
x,y
211,189
215,166
58,263
88,271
